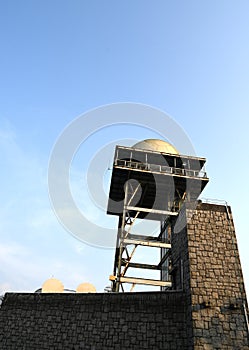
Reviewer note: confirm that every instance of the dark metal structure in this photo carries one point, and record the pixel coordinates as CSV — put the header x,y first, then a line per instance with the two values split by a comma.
x,y
149,185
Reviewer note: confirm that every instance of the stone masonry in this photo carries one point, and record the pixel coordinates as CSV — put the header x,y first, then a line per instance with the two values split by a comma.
x,y
208,269
93,321
206,310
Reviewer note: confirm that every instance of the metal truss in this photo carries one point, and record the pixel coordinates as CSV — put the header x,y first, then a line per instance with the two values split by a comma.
x,y
127,244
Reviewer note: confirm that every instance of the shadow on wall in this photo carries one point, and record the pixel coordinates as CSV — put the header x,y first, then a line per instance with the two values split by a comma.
x,y
219,327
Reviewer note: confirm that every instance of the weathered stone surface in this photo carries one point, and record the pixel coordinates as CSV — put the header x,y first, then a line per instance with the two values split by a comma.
x,y
211,275
93,321
204,312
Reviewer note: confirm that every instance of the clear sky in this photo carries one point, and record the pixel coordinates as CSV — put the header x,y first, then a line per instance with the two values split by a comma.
x,y
60,59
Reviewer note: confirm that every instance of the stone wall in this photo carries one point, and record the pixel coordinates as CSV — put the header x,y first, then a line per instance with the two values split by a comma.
x,y
204,312
151,320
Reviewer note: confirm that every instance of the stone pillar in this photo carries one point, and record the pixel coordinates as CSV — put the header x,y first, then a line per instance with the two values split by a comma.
x,y
206,266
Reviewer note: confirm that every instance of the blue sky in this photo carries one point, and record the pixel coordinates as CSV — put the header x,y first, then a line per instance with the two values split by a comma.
x,y
60,59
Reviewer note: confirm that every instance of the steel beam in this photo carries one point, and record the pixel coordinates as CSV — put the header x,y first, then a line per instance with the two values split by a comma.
x,y
152,211
145,281
147,243
141,266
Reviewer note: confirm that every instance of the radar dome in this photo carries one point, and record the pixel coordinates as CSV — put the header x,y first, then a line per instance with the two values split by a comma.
x,y
156,145
86,288
52,285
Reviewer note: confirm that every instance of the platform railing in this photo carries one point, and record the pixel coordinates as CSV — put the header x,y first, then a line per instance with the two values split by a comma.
x,y
214,201
160,168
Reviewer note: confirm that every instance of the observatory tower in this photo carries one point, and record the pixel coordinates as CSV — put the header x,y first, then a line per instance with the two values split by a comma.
x,y
202,303
150,181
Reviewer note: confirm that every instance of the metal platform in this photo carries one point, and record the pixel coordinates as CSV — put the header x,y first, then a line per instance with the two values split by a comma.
x,y
163,179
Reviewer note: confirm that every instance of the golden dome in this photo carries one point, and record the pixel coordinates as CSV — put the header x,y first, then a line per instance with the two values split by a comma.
x,y
86,288
156,145
52,285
